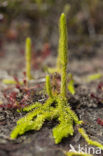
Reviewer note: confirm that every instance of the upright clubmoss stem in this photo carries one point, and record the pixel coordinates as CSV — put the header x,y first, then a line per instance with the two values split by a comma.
x,y
28,58
48,86
63,47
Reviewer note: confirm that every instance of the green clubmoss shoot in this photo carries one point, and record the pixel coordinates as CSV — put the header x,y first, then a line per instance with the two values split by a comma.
x,y
28,64
28,58
48,86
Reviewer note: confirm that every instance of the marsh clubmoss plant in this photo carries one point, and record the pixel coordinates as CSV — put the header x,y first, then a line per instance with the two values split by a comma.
x,y
56,106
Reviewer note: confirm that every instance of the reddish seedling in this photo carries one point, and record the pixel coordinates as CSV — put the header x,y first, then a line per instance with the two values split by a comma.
x,y
100,121
98,99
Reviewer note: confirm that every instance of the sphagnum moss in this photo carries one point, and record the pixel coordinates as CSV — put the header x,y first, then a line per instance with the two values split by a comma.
x,y
60,109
